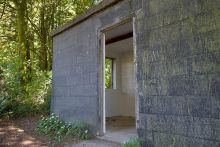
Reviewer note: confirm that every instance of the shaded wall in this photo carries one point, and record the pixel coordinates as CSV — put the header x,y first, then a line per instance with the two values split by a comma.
x,y
178,70
75,74
113,96
120,101
128,83
76,67
178,58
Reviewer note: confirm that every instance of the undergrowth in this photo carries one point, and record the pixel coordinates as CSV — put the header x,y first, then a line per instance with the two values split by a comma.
x,y
134,142
57,130
34,100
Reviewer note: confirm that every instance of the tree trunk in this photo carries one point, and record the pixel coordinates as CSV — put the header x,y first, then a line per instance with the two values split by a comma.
x,y
24,51
43,39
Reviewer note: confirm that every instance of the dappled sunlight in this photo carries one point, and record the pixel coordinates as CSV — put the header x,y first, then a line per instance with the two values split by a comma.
x,y
20,130
2,133
21,133
27,142
13,128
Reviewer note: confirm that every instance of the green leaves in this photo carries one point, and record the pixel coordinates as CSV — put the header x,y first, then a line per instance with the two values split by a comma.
x,y
134,142
53,128
35,99
26,51
108,72
57,130
80,130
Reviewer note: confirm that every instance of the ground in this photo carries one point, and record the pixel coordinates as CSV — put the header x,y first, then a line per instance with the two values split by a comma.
x,y
21,133
95,143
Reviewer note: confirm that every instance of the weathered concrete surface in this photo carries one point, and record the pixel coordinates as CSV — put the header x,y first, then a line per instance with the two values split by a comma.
x,y
95,143
120,129
178,70
178,57
76,55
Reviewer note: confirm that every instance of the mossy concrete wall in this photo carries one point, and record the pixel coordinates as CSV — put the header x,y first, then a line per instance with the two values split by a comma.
x,y
178,70
178,57
77,65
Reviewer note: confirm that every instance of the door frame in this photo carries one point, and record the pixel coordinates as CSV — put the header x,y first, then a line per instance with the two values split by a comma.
x,y
101,72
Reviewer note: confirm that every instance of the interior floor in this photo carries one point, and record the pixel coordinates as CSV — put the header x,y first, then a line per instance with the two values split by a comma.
x,y
120,129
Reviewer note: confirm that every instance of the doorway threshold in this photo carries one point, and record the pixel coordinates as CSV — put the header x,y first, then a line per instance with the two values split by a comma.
x,y
120,129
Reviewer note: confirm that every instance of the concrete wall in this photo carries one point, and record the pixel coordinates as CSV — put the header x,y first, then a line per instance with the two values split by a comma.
x,y
128,83
178,59
178,70
75,74
76,54
121,100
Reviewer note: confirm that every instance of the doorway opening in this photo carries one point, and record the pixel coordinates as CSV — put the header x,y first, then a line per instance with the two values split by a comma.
x,y
119,84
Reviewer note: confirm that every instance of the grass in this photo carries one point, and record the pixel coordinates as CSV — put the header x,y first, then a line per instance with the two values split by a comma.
x,y
134,142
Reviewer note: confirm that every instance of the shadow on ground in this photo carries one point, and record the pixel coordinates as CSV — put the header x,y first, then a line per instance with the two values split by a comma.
x,y
20,132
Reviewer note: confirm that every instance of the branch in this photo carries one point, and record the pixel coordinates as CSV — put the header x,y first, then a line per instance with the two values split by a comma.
x,y
34,51
7,37
3,11
15,3
34,26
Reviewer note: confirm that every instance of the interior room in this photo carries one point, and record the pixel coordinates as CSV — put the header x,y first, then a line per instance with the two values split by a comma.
x,y
120,84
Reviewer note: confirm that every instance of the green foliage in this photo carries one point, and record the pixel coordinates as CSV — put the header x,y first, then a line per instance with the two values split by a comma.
x,y
108,72
35,99
134,142
80,130
26,51
57,130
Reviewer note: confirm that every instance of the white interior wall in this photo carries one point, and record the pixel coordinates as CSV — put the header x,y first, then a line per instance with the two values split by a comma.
x,y
121,100
112,96
127,84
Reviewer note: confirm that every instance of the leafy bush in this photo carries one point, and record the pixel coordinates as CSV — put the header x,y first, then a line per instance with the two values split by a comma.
x,y
57,130
135,142
16,101
80,130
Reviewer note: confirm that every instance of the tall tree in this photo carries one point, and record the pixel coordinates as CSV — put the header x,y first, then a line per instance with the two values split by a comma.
x,y
27,24
43,37
24,50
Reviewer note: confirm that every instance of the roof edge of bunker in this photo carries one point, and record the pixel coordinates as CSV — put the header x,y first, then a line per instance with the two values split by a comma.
x,y
84,16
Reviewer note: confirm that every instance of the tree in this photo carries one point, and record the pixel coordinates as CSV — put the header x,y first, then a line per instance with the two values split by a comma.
x,y
24,50
26,47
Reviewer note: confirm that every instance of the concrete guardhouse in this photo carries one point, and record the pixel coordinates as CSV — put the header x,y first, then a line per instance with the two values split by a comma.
x,y
165,59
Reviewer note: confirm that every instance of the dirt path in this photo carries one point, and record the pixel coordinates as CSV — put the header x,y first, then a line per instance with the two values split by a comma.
x,y
20,133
